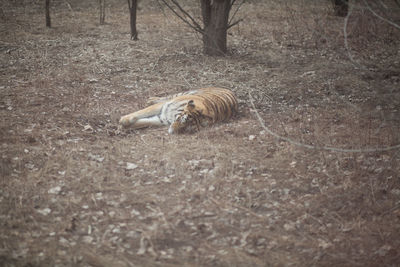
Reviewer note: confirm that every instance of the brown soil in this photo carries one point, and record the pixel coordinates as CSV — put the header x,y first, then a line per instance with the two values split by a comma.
x,y
76,191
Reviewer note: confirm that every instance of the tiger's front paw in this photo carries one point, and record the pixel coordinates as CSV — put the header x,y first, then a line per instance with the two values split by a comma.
x,y
127,120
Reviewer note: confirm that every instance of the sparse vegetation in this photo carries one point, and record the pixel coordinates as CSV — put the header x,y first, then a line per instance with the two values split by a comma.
x,y
75,191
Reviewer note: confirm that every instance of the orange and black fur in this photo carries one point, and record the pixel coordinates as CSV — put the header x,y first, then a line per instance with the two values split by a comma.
x,y
185,112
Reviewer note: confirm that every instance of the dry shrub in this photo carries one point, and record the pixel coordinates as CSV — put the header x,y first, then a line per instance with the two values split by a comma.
x,y
312,24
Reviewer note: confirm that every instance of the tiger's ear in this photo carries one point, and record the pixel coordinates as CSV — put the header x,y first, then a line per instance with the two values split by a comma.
x,y
191,105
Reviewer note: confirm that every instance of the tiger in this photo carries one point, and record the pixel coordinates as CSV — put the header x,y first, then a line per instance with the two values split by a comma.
x,y
185,112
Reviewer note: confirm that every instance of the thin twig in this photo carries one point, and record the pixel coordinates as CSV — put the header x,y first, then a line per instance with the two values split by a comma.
x,y
230,24
160,6
299,144
238,207
346,44
234,23
195,26
380,17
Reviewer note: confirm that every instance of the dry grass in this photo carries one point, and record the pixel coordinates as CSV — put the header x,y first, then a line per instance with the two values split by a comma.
x,y
230,195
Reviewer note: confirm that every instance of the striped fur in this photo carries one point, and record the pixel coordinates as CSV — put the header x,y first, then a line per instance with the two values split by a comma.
x,y
185,112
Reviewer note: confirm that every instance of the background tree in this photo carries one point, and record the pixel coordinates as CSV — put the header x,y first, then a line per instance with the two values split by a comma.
x,y
216,22
341,7
132,4
102,7
47,11
215,19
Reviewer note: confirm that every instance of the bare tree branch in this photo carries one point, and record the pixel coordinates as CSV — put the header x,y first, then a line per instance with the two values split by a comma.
x,y
234,23
161,7
191,22
346,44
380,17
197,25
383,4
230,24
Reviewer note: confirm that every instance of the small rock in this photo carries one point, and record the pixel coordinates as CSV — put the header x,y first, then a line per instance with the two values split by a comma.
x,y
45,211
204,171
63,240
324,244
96,157
289,226
133,234
382,251
135,212
131,166
308,73
187,248
87,239
396,192
286,191
193,163
54,190
252,137
29,166
88,128
222,252
99,213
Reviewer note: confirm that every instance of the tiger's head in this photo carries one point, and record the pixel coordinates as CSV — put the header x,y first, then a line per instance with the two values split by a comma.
x,y
186,121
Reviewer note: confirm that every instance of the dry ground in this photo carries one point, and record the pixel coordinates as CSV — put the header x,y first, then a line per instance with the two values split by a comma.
x,y
77,192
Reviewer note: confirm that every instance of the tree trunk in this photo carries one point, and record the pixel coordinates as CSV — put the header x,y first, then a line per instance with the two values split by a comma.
x,y
132,10
47,9
102,7
215,18
341,7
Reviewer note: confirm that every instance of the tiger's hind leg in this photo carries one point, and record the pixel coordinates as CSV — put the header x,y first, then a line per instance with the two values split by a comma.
x,y
146,117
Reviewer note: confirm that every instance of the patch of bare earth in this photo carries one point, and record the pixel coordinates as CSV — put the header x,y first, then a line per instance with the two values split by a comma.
x,y
75,191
